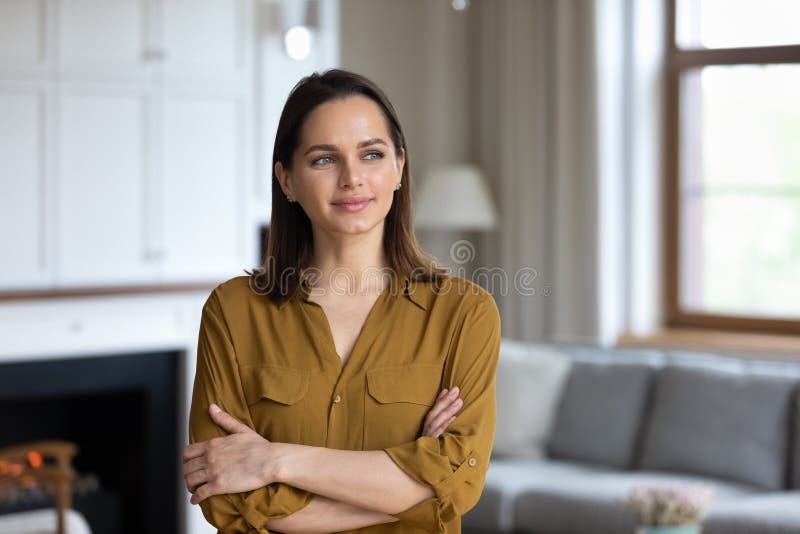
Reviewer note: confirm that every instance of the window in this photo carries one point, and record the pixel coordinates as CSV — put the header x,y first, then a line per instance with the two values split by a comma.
x,y
733,165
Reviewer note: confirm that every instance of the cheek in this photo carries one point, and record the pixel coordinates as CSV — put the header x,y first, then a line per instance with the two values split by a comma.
x,y
315,192
386,197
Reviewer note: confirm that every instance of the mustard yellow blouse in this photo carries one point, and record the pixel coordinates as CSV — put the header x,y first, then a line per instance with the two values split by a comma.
x,y
275,368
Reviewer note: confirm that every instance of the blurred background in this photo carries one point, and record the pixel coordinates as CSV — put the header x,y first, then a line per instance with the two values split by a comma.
x,y
627,176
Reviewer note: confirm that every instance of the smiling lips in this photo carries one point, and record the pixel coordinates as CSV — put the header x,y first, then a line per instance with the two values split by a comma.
x,y
352,203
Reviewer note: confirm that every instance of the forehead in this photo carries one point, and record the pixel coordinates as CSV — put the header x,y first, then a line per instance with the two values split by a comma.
x,y
351,118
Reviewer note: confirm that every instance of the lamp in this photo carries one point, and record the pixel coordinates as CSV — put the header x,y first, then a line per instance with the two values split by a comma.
x,y
454,197
298,37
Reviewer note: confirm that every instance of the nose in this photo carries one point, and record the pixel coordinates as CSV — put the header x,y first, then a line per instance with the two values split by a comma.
x,y
350,175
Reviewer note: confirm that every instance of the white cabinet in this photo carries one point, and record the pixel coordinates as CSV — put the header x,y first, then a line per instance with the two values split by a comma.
x,y
125,137
203,184
22,193
23,37
202,39
103,38
104,233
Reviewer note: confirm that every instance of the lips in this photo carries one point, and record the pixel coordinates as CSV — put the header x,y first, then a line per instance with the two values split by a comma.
x,y
353,204
351,200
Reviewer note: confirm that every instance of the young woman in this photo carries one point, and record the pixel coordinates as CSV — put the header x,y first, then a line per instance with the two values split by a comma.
x,y
328,380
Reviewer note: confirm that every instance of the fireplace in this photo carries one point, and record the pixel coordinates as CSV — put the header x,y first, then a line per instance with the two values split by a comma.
x,y
122,413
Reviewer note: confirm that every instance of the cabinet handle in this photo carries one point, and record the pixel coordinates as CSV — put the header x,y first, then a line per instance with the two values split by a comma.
x,y
154,55
153,254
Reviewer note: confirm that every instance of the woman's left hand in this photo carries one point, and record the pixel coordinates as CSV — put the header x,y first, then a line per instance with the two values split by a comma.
x,y
238,462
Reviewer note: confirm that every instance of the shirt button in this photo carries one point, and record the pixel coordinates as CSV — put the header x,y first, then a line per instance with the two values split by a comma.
x,y
472,462
338,399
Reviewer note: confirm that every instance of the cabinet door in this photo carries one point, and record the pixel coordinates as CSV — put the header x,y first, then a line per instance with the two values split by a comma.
x,y
103,231
205,39
22,37
23,240
104,39
203,187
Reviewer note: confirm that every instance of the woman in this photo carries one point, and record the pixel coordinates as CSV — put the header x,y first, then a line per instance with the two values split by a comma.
x,y
318,402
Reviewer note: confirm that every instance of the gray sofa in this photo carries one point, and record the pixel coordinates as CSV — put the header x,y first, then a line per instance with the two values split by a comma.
x,y
626,417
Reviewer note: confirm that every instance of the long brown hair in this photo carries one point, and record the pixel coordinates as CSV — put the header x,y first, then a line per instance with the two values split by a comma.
x,y
290,243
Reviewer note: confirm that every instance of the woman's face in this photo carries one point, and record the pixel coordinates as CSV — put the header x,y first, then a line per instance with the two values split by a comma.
x,y
344,153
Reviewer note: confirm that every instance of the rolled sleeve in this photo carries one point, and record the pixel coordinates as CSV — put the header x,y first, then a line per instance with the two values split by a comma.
x,y
217,380
454,464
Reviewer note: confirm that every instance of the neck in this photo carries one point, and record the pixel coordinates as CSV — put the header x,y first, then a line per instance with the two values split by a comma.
x,y
350,262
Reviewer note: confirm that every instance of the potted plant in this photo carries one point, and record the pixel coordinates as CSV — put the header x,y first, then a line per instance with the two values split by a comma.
x,y
668,509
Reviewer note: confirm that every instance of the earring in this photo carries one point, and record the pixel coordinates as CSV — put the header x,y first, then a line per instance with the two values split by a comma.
x,y
398,185
289,199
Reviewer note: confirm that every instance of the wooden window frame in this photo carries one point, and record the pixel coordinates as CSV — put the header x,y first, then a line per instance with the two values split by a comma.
x,y
679,60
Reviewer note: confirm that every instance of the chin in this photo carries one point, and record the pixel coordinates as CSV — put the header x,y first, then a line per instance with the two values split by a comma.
x,y
354,226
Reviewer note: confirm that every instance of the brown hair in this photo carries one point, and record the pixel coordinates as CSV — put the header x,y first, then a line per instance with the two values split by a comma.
x,y
289,246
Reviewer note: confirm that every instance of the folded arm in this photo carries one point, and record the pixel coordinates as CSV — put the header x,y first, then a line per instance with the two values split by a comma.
x,y
245,460
428,481
323,515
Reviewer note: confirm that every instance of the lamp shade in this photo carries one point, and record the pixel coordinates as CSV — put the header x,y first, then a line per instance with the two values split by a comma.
x,y
454,197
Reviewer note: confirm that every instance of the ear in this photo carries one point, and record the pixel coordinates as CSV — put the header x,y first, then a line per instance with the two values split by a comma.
x,y
401,161
284,179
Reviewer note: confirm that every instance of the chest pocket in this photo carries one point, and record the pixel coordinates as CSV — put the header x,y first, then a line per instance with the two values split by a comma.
x,y
276,398
396,403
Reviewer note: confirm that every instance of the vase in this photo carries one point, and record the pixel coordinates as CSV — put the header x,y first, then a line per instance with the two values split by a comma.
x,y
683,529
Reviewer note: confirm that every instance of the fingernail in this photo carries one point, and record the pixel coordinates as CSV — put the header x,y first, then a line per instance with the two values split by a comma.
x,y
215,408
454,390
452,418
443,393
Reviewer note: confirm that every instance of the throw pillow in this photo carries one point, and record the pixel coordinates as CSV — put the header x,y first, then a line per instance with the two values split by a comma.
x,y
600,413
529,382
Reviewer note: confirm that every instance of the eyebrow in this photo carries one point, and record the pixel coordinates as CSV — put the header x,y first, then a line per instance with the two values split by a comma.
x,y
332,148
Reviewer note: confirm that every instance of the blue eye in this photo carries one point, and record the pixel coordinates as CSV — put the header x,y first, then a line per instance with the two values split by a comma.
x,y
322,160
376,153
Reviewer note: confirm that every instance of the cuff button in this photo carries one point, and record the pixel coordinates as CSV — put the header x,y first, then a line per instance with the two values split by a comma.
x,y
472,462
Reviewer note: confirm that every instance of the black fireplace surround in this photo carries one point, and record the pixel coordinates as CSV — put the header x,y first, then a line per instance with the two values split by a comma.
x,y
122,413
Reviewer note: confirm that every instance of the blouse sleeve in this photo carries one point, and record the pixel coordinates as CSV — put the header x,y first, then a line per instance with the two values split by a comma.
x,y
217,380
455,463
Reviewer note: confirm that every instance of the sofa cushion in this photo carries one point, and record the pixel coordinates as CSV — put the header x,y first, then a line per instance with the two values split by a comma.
x,y
529,382
600,413
506,479
590,501
773,513
720,422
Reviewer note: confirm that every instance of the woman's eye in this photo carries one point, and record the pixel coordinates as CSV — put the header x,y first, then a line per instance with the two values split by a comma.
x,y
322,160
375,154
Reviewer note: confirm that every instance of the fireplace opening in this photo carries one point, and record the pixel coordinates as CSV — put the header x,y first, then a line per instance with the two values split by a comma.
x,y
122,413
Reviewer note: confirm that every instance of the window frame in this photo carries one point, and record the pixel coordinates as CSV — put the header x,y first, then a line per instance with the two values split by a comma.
x,y
677,61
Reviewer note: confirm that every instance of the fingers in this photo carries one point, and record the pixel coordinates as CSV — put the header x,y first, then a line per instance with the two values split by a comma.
x,y
229,423
203,492
195,464
196,479
194,450
443,413
442,402
446,416
439,431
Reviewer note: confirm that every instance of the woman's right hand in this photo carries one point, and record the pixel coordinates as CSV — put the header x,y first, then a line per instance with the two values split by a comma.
x,y
443,413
